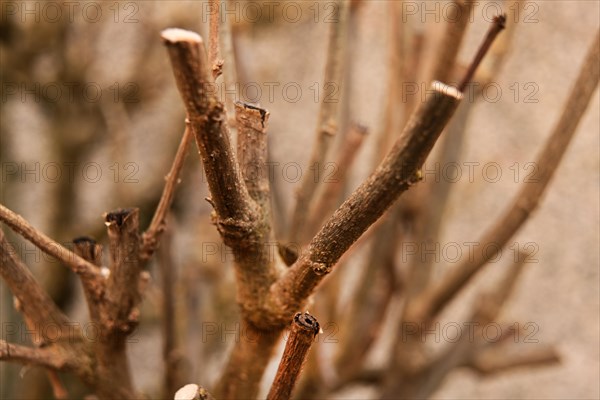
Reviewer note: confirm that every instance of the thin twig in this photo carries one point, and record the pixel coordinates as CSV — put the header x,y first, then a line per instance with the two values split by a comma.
x,y
38,308
85,269
125,267
497,26
151,236
327,122
437,297
230,198
302,334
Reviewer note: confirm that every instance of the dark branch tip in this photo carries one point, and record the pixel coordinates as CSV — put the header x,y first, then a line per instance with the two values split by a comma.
x,y
118,216
264,114
307,322
500,20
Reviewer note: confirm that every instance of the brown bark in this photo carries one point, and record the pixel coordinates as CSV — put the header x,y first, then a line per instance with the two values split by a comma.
x,y
396,173
302,334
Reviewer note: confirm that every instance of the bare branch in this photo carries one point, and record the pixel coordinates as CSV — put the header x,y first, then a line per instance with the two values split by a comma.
x,y
498,25
233,205
327,122
437,297
85,269
151,237
252,153
36,305
48,357
304,329
396,173
125,268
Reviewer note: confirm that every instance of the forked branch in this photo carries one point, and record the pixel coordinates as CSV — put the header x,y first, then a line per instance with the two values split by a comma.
x,y
233,206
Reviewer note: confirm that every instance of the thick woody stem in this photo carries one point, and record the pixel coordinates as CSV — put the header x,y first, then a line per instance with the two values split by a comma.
x,y
252,152
119,313
234,207
249,358
302,334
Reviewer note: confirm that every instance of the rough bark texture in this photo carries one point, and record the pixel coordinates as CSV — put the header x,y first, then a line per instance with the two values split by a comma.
x,y
302,334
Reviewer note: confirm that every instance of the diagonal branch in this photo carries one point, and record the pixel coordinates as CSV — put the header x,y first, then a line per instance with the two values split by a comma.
x,y
437,297
84,268
151,237
396,173
47,357
40,311
233,206
500,358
